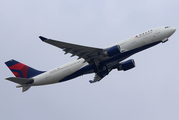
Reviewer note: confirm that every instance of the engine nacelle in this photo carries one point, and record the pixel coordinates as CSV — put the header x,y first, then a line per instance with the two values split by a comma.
x,y
129,64
112,51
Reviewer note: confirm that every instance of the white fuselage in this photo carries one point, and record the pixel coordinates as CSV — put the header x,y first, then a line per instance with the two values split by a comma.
x,y
156,35
57,74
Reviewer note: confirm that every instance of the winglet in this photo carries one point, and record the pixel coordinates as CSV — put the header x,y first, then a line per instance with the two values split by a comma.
x,y
91,81
43,38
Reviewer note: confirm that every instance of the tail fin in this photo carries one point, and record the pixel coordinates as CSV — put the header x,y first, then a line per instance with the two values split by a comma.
x,y
20,70
23,74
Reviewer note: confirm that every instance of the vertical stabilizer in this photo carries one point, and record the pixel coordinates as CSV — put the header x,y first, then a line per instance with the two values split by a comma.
x,y
21,70
23,74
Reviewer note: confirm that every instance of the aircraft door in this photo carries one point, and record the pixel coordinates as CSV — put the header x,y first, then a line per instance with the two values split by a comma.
x,y
149,39
157,31
157,34
48,75
134,42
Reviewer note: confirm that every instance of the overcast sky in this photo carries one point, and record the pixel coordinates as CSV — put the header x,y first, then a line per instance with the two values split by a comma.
x,y
148,92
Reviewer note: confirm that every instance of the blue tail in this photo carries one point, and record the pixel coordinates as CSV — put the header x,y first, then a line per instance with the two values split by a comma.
x,y
21,70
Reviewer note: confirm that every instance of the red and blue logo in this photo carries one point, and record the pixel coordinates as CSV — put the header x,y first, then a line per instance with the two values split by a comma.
x,y
21,70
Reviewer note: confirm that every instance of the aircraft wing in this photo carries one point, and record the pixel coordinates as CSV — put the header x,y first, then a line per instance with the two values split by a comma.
x,y
90,54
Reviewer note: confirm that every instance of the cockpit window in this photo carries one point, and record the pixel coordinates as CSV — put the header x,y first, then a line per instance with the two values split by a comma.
x,y
166,27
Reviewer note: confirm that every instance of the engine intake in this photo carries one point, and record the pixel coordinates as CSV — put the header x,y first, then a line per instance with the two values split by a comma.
x,y
129,64
112,51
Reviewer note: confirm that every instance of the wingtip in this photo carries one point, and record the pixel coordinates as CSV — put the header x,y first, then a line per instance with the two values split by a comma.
x,y
90,81
43,38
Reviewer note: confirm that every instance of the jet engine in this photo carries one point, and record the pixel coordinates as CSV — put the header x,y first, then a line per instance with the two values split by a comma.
x,y
126,65
112,51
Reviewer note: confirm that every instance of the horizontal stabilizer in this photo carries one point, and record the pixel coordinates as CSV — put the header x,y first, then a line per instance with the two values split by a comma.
x,y
25,88
21,81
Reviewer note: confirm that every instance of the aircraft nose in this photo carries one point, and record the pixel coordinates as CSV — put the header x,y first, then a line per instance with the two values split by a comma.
x,y
173,30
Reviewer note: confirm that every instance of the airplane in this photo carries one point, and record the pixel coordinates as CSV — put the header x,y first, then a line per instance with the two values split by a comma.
x,y
100,61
